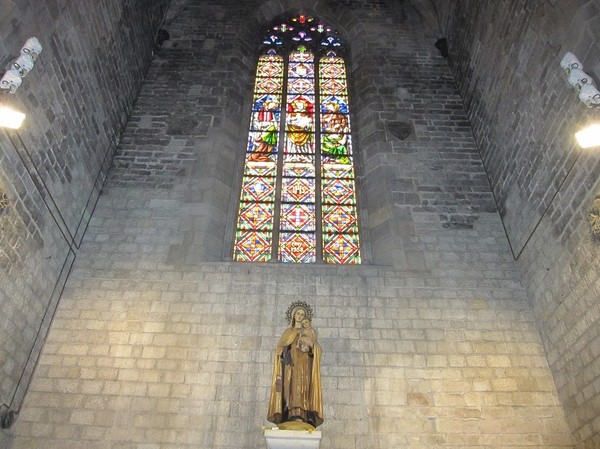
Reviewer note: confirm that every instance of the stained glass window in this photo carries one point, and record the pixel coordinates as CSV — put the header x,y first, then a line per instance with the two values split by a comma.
x,y
298,196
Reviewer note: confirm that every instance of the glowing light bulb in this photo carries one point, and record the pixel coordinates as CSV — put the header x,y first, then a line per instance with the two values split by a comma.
x,y
589,137
9,118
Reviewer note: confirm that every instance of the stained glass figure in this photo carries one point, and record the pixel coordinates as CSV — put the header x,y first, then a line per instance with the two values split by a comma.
x,y
300,206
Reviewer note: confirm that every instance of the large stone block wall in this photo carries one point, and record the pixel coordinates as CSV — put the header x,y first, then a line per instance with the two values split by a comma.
x,y
77,99
144,355
524,116
161,341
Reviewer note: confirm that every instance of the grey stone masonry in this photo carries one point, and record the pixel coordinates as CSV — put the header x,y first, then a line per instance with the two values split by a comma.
x,y
145,354
524,114
77,99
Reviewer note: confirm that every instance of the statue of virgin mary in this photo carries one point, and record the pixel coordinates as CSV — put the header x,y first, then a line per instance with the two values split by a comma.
x,y
296,399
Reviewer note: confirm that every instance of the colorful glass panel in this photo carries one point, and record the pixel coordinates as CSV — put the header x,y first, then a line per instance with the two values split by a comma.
x,y
268,85
300,118
261,123
297,247
270,66
254,236
337,171
333,86
300,170
338,191
258,189
338,194
300,113
341,248
302,69
310,189
256,216
339,219
298,190
298,217
301,86
252,246
260,169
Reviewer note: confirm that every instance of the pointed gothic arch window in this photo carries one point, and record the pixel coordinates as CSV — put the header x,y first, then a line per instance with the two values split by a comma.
x,y
298,196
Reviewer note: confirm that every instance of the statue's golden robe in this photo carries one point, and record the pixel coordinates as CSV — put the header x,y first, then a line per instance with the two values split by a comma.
x,y
296,382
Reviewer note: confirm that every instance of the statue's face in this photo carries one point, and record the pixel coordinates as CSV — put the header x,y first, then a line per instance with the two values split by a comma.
x,y
299,315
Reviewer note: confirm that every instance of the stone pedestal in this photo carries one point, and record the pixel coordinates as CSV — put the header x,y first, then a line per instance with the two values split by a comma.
x,y
292,439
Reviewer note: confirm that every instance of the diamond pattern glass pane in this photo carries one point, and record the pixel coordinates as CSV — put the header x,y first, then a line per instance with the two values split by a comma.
x,y
256,216
255,189
341,248
297,247
298,217
338,191
339,219
252,246
298,191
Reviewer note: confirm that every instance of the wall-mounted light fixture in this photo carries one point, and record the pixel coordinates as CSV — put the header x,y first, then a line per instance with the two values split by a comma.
x,y
23,64
569,62
588,94
20,66
32,48
11,81
13,78
581,81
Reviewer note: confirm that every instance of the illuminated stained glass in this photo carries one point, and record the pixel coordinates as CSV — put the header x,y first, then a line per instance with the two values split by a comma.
x,y
333,87
256,216
338,171
301,66
252,246
301,86
298,205
258,189
339,219
269,66
297,247
254,236
298,217
299,170
338,194
268,85
260,169
298,193
338,191
298,190
341,248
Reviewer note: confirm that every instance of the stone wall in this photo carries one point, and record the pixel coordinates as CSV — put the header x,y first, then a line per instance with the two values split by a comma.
x,y
524,115
77,99
161,341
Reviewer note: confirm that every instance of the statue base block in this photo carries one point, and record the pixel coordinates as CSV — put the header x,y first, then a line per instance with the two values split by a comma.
x,y
292,439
